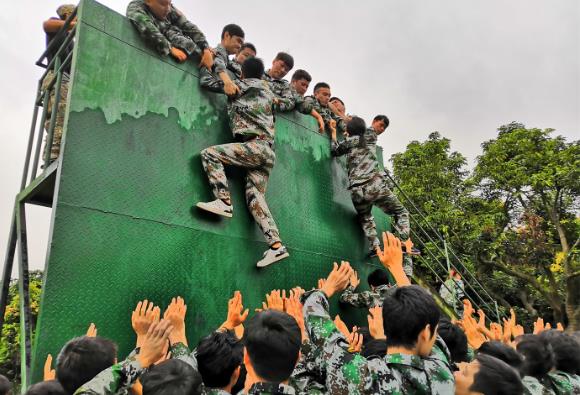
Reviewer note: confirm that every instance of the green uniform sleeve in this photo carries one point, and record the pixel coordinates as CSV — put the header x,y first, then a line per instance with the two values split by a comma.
x,y
339,148
181,351
113,379
147,27
361,299
189,29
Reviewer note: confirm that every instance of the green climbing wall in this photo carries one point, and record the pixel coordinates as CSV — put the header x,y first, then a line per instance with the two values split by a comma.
x,y
123,226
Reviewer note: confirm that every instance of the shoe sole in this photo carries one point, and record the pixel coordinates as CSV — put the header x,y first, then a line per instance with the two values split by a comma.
x,y
214,211
278,258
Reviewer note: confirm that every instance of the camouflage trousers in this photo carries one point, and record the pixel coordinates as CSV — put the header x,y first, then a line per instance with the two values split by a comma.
x,y
61,109
258,157
375,192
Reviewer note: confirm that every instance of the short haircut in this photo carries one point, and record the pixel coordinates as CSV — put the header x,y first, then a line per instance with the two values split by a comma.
x,y
538,355
374,348
301,75
5,385
172,377
566,350
378,277
454,338
253,68
501,351
382,118
218,356
273,339
51,387
286,58
333,98
249,45
495,377
320,85
356,126
233,30
406,312
82,358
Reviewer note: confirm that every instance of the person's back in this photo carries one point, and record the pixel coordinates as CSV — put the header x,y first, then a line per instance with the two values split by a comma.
x,y
565,378
538,362
252,113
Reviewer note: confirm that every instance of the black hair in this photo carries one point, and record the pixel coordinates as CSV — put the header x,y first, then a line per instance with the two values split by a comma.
x,y
495,377
374,348
320,85
538,355
51,387
378,277
454,338
382,118
249,45
241,383
406,312
82,358
273,339
172,377
356,126
301,75
286,58
503,352
566,350
233,30
336,98
5,385
253,68
218,357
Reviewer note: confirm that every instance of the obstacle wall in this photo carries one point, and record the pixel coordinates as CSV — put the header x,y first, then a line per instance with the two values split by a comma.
x,y
123,226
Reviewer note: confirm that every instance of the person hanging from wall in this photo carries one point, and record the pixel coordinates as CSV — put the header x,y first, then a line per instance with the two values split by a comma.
x,y
453,291
299,84
252,122
367,183
52,27
166,28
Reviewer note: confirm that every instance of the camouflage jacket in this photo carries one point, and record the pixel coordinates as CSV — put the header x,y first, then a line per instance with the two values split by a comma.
x,y
533,386
301,104
353,374
361,158
451,291
173,31
118,378
252,113
211,80
271,389
308,377
283,91
366,299
326,114
563,383
214,391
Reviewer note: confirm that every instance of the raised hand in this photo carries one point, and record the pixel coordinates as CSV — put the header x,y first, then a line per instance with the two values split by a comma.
x,y
355,342
391,256
175,314
154,343
539,326
375,319
236,313
294,308
92,331
49,372
354,280
338,279
145,314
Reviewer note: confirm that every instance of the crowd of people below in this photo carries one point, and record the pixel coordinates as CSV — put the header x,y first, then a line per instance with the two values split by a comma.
x,y
292,345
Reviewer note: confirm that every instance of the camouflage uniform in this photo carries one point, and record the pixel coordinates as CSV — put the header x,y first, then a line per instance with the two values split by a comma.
x,y
326,114
366,299
271,389
368,188
174,31
533,386
252,119
353,374
308,376
210,80
60,111
563,383
214,391
118,378
283,91
302,105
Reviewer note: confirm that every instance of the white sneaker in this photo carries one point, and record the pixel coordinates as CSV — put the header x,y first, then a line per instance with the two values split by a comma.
x,y
217,207
272,256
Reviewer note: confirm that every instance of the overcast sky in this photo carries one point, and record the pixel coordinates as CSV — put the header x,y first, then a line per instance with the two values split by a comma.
x,y
459,67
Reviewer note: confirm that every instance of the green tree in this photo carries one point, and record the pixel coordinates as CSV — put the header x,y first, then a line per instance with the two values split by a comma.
x,y
10,341
537,178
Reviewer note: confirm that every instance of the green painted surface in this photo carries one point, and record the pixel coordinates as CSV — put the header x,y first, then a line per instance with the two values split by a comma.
x,y
124,228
